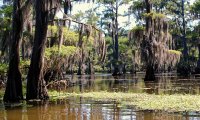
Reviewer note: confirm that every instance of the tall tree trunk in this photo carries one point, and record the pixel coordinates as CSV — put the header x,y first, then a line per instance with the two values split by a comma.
x,y
81,69
185,49
5,42
90,64
36,88
116,43
13,92
150,76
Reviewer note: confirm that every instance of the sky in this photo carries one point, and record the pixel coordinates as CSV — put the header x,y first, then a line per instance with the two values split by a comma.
x,y
86,6
83,7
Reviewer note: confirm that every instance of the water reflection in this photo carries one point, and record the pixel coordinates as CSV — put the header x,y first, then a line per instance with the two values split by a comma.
x,y
165,84
71,109
85,109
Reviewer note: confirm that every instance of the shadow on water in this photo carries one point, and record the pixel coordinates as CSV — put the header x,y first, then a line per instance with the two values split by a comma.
x,y
84,109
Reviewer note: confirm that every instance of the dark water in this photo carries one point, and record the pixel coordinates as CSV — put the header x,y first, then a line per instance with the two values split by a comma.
x,y
84,109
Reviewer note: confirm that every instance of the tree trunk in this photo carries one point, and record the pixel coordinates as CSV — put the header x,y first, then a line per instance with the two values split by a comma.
x,y
13,92
4,42
81,66
185,49
197,70
90,66
116,44
149,76
36,88
61,35
124,69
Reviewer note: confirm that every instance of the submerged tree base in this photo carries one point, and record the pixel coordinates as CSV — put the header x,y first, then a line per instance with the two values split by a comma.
x,y
141,101
150,75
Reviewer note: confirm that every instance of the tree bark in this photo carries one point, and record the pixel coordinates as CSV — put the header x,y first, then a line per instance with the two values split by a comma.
x,y
81,69
116,43
90,64
197,69
13,92
150,76
185,49
36,88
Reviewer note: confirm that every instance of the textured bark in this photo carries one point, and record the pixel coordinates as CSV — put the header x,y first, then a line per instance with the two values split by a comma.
x,y
5,42
81,69
36,88
185,49
13,92
149,76
116,43
90,65
60,38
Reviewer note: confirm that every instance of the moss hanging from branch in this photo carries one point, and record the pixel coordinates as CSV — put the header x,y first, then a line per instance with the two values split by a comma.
x,y
135,38
156,43
88,40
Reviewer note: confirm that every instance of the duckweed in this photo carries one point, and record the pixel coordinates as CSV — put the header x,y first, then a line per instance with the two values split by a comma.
x,y
141,101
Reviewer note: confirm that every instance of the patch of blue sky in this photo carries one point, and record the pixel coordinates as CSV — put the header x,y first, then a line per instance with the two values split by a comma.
x,y
123,20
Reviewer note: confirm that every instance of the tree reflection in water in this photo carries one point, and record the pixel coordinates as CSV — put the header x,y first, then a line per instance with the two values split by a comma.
x,y
87,109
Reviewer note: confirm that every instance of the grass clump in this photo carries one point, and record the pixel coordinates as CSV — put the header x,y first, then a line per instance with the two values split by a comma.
x,y
141,101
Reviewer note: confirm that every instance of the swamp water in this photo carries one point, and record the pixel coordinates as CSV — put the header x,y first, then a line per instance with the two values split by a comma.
x,y
85,109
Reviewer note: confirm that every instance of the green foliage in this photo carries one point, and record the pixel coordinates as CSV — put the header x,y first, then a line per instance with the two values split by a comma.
x,y
98,68
138,28
123,44
6,10
70,36
78,16
154,15
24,63
91,17
5,17
195,8
65,51
175,52
3,67
53,29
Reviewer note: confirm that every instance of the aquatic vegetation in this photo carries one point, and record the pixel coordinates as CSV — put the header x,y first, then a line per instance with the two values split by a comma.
x,y
141,101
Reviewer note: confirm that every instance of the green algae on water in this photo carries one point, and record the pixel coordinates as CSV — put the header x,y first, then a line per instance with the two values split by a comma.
x,y
141,101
